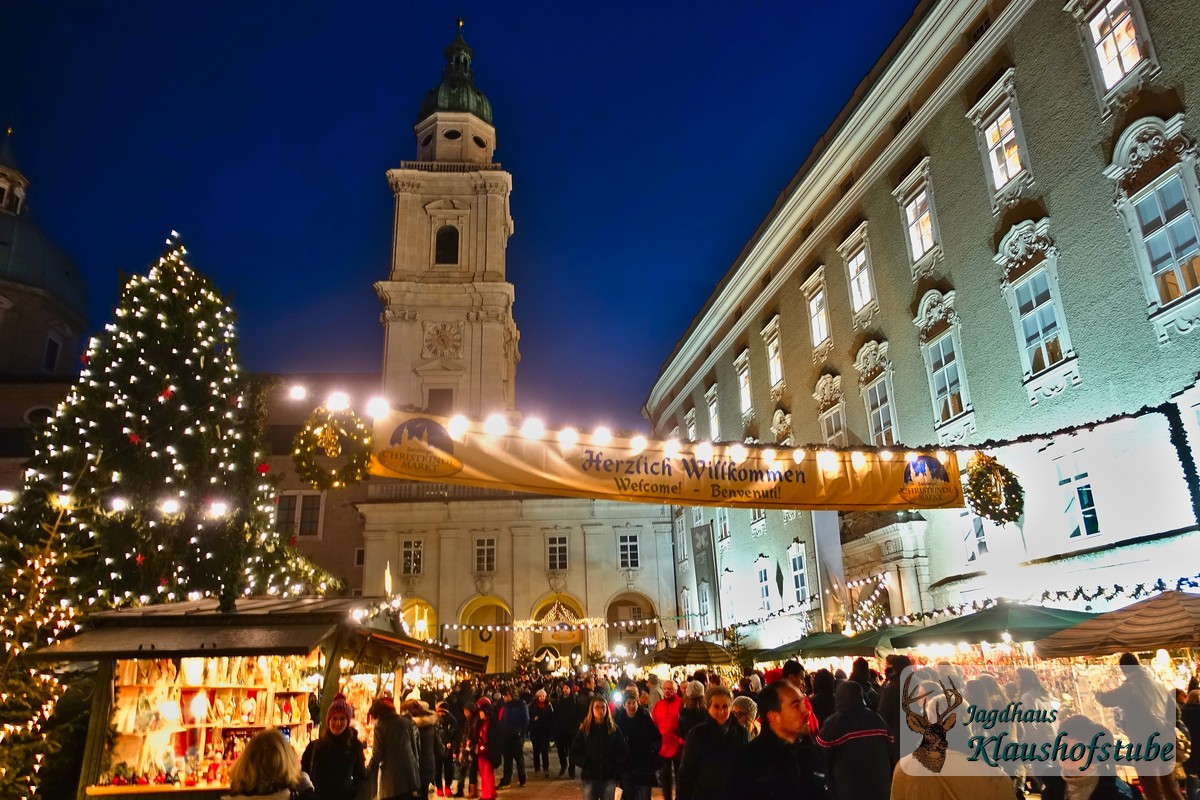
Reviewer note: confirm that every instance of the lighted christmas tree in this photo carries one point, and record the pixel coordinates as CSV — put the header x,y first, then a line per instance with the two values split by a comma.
x,y
148,485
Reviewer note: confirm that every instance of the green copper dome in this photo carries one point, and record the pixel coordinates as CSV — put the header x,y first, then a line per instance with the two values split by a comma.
x,y
457,91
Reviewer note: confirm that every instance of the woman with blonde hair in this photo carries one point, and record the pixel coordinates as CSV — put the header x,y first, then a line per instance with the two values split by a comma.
x,y
600,752
745,712
269,769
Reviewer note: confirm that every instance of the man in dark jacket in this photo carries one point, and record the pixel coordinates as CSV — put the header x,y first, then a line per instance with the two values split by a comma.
x,y
889,700
394,752
566,725
514,719
710,748
855,741
783,763
643,740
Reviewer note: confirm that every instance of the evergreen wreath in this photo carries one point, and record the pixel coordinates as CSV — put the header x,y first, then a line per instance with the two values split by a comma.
x,y
333,434
993,490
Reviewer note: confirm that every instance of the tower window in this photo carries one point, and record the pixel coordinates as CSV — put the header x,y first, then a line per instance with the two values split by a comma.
x,y
446,248
425,142
479,141
453,135
50,357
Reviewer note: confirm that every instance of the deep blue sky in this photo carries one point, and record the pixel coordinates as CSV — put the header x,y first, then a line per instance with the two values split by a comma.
x,y
646,144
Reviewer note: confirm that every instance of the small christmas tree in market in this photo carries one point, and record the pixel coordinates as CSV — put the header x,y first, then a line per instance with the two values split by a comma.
x,y
148,485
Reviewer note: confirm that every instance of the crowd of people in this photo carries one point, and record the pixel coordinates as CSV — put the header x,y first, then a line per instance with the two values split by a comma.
x,y
782,735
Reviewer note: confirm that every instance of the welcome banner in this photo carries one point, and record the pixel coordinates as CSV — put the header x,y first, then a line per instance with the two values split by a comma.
x,y
426,448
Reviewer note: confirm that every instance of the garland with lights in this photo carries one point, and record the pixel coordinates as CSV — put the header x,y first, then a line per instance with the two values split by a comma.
x,y
993,490
333,434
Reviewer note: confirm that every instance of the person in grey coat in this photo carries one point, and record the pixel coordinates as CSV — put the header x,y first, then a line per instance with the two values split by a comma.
x,y
394,756
426,722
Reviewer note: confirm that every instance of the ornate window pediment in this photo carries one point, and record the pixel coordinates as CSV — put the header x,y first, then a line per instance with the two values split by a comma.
x,y
935,313
1025,245
1145,150
872,361
781,425
828,391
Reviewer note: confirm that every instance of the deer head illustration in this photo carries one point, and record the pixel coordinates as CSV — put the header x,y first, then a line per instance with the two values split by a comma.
x,y
931,753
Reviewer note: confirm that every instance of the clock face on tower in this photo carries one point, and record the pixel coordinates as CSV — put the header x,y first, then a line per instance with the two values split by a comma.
x,y
443,340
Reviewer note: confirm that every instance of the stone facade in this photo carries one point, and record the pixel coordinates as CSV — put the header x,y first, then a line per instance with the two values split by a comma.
x,y
978,168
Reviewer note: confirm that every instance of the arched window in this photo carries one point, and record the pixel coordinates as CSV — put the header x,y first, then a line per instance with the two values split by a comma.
x,y
446,245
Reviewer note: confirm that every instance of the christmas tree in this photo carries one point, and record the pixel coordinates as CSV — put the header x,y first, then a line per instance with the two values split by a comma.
x,y
148,485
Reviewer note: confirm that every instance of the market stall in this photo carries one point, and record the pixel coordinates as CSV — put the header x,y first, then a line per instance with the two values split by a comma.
x,y
865,645
1167,621
190,685
792,649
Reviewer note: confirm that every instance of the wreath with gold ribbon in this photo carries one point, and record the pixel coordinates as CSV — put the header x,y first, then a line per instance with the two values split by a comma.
x,y
333,434
993,490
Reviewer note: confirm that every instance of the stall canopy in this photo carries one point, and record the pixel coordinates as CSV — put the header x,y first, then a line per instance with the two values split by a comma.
x,y
693,652
865,644
804,645
1022,624
260,626
1169,620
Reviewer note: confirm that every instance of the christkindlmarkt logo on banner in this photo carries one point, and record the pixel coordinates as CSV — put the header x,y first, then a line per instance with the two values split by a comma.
x,y
496,456
927,483
1048,719
420,448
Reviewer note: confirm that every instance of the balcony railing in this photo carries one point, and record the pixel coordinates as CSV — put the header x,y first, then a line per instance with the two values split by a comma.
x,y
449,166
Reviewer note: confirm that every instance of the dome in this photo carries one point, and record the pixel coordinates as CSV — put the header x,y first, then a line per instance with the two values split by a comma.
x,y
457,91
29,258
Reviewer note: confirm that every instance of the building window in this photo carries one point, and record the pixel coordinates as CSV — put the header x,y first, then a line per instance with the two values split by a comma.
x,y
628,556
915,197
1040,328
938,324
689,423
360,557
856,252
50,357
705,605
764,586
833,426
441,402
770,336
300,513
556,553
485,554
697,516
714,417
1078,499
758,515
681,539
1154,167
877,396
742,367
685,608
799,574
446,248
973,530
722,520
997,121
813,290
1120,53
411,557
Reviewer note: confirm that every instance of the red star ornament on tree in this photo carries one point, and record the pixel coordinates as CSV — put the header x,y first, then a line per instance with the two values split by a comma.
x,y
166,393
134,438
264,468
83,359
141,559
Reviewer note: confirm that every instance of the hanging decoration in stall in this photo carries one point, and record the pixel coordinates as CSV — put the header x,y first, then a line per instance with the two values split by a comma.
x,y
338,435
993,490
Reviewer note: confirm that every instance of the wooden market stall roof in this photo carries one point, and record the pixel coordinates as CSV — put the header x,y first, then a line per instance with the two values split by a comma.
x,y
259,626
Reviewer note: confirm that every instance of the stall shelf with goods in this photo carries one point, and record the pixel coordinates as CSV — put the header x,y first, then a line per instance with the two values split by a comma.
x,y
190,685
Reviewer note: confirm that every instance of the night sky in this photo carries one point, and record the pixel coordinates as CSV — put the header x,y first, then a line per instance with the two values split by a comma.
x,y
646,144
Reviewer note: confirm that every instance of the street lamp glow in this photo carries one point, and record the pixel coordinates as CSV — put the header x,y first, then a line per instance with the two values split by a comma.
x,y
704,451
827,460
62,500
338,401
568,438
602,436
118,504
218,509
7,496
170,506
798,455
533,429
495,425
738,453
671,448
298,392
769,456
457,426
637,444
377,408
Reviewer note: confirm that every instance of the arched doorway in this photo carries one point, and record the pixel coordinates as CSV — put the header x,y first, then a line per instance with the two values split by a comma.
x,y
420,618
629,616
555,629
485,618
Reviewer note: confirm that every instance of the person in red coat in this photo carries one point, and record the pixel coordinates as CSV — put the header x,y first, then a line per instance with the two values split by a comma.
x,y
666,719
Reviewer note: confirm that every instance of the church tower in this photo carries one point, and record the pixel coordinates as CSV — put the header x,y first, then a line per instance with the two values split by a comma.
x,y
450,342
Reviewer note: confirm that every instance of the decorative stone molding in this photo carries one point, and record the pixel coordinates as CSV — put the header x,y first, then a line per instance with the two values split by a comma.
x,y
958,430
557,580
871,362
399,315
1146,149
485,582
412,584
1025,245
828,392
630,575
491,187
781,425
935,313
777,391
403,185
485,315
